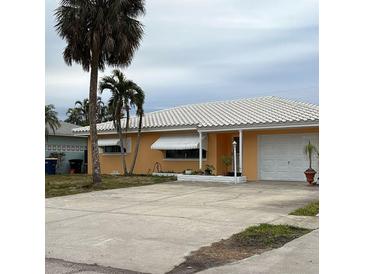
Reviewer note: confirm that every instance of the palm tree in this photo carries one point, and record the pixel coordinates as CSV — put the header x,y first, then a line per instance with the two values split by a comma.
x,y
137,100
83,107
52,121
74,116
116,107
106,114
99,33
101,110
125,95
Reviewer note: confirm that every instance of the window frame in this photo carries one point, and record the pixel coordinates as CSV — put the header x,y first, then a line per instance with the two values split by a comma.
x,y
113,152
127,148
184,159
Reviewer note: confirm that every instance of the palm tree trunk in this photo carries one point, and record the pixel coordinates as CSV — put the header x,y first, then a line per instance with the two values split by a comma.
x,y
126,132
120,134
92,118
137,143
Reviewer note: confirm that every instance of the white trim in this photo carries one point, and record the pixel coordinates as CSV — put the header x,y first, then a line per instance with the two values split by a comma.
x,y
258,128
106,132
240,152
210,178
201,129
162,174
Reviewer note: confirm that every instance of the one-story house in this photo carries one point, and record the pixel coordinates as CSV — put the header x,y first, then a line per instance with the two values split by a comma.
x,y
270,133
64,141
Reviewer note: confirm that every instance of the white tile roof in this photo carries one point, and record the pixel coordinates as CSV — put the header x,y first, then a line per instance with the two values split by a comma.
x,y
65,129
241,113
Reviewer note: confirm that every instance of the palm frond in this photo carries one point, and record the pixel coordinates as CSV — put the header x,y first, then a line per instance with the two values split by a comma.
x,y
113,22
51,120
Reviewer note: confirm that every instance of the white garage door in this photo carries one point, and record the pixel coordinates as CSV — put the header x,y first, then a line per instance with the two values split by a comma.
x,y
281,157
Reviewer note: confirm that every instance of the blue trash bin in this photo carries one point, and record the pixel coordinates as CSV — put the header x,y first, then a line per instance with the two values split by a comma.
x,y
51,166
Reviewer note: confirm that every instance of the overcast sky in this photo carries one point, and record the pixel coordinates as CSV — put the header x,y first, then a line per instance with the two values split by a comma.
x,y
206,50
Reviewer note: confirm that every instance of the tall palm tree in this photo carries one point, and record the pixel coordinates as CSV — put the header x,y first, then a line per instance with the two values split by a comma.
x,y
52,121
117,108
137,100
125,94
99,33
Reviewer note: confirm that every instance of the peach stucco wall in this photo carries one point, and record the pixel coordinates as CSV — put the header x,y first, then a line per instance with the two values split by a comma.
x,y
219,144
147,157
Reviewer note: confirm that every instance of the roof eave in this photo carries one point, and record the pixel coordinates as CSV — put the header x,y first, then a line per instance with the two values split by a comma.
x,y
155,129
258,126
253,126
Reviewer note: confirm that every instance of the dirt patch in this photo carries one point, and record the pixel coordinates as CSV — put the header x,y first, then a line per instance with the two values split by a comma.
x,y
62,266
254,240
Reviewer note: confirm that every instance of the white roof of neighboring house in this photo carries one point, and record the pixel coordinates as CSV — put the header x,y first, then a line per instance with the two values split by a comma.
x,y
64,130
267,111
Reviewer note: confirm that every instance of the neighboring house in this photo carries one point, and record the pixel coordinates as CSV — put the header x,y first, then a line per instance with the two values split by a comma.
x,y
65,141
271,133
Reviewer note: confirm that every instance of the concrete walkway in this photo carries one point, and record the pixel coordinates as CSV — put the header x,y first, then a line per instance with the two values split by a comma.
x,y
300,256
151,228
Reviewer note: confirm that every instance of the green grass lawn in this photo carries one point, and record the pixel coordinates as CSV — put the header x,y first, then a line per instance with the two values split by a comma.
x,y
60,185
269,236
311,209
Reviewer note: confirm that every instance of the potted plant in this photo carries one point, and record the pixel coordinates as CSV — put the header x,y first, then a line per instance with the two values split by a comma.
x,y
209,170
227,161
309,150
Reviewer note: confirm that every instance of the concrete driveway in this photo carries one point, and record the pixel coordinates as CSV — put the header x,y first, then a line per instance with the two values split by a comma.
x,y
151,228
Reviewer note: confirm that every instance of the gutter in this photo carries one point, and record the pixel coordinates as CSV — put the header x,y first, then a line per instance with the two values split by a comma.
x,y
255,127
212,129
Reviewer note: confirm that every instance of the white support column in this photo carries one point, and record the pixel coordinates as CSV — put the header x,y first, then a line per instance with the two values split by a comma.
x,y
200,151
235,161
240,153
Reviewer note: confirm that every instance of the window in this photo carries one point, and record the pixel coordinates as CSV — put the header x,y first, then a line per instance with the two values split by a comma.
x,y
113,149
112,146
184,154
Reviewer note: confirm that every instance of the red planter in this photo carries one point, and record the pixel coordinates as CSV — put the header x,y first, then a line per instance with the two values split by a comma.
x,y
310,173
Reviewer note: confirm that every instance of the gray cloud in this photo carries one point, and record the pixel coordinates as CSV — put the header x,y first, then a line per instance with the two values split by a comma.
x,y
196,51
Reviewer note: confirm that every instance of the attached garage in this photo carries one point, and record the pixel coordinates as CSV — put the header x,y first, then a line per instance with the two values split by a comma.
x,y
281,156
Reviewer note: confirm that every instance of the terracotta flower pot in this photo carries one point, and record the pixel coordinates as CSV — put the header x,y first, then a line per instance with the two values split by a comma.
x,y
310,173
